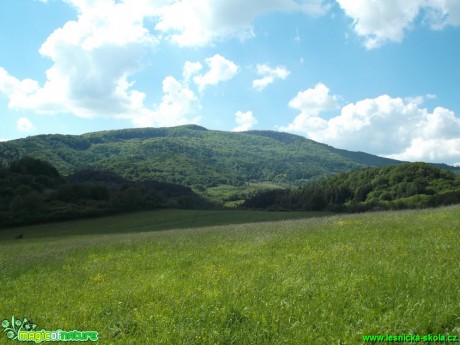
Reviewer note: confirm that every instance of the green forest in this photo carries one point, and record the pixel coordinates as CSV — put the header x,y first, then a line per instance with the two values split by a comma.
x,y
224,167
33,191
192,156
410,185
189,166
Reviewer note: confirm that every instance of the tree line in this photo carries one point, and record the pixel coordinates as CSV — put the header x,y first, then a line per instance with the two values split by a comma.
x,y
33,191
412,185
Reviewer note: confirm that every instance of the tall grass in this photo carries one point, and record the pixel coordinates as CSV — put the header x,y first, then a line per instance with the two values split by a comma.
x,y
315,281
153,221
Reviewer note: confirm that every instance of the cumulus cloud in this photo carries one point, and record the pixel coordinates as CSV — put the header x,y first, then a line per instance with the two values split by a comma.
x,y
432,150
315,100
385,126
25,125
245,121
16,90
220,70
93,58
201,22
380,21
191,69
177,105
268,75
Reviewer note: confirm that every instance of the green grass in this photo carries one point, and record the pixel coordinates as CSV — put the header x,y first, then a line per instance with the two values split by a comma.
x,y
232,196
326,280
152,221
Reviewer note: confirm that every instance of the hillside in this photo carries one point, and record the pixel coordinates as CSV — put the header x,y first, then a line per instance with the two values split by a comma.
x,y
195,157
191,155
33,191
408,185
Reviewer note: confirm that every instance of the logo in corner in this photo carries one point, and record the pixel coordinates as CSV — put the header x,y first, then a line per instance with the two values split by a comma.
x,y
26,330
13,328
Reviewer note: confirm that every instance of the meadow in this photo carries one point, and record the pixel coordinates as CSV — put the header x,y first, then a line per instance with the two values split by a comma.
x,y
316,280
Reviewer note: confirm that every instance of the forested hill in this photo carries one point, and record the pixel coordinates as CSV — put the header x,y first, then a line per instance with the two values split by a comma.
x,y
192,156
33,191
409,185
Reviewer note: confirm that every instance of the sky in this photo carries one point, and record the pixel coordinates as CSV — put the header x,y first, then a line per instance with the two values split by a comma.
x,y
378,76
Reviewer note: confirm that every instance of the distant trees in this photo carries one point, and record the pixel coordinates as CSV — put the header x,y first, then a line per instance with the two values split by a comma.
x,y
35,167
31,190
191,155
403,186
28,207
206,160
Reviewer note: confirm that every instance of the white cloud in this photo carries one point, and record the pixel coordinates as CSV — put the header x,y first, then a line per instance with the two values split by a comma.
x,y
3,139
245,121
220,69
386,126
419,100
441,123
201,22
178,106
24,125
379,21
93,58
432,150
268,76
191,69
314,101
16,90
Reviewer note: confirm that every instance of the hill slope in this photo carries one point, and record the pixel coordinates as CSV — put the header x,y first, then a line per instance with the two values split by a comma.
x,y
32,191
394,187
192,156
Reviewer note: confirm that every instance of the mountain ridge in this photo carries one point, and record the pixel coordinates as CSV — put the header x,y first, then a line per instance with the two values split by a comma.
x,y
194,156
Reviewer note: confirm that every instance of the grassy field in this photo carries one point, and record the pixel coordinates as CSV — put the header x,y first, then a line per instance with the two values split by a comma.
x,y
237,195
327,280
153,221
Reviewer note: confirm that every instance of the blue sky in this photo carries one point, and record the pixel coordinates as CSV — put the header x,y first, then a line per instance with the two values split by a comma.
x,y
376,76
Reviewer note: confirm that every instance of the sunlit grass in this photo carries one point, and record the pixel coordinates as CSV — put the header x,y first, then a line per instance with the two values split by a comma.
x,y
314,281
233,196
